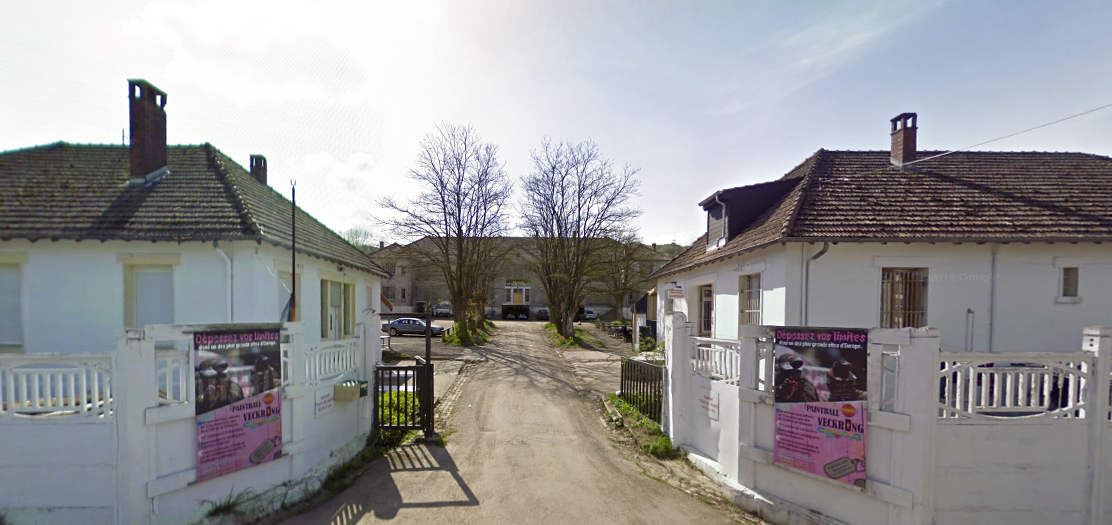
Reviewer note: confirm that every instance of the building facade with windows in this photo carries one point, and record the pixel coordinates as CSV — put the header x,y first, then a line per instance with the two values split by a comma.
x,y
412,285
1002,251
95,239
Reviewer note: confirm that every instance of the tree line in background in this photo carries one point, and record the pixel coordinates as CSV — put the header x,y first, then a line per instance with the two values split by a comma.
x,y
575,208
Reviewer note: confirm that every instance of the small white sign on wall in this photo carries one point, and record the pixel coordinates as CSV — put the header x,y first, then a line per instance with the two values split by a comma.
x,y
675,293
325,401
709,403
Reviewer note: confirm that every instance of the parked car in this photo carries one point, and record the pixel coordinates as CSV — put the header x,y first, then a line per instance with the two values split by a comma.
x,y
442,309
590,314
409,325
542,314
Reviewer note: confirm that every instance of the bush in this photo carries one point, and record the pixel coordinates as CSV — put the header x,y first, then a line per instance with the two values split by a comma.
x,y
648,344
403,407
662,448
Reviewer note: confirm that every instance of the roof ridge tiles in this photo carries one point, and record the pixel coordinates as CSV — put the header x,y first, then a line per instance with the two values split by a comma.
x,y
242,208
801,190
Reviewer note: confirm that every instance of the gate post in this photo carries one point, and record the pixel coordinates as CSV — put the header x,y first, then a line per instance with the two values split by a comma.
x,y
678,376
1096,339
426,382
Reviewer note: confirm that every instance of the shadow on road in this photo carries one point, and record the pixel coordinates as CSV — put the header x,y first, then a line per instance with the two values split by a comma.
x,y
378,493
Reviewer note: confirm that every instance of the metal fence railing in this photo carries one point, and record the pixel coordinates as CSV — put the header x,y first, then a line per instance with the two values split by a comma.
x,y
643,387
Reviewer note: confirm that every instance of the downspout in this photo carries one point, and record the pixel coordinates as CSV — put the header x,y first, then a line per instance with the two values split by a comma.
x,y
807,281
230,279
992,301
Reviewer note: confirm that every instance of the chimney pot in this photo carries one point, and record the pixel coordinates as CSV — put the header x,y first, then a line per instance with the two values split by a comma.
x,y
654,246
258,168
148,128
381,244
903,138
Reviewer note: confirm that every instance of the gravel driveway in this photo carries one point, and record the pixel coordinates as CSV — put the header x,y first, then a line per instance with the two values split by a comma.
x,y
528,447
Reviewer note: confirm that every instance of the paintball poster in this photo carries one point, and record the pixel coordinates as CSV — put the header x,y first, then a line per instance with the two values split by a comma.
x,y
239,419
820,391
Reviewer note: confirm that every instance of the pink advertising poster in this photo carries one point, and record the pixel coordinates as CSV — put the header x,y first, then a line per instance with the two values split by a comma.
x,y
825,439
820,389
238,398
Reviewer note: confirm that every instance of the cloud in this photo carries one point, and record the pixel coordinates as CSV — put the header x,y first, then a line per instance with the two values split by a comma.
x,y
799,55
338,193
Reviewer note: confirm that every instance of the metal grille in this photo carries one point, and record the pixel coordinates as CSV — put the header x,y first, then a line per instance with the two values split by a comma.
x,y
706,313
751,299
643,387
398,400
903,298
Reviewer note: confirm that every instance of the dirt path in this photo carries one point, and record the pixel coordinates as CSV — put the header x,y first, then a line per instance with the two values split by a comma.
x,y
528,447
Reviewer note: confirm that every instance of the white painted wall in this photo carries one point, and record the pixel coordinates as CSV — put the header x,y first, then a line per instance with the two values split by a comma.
x,y
845,286
770,262
73,298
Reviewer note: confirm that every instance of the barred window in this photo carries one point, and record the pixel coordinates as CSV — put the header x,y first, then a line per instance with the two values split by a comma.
x,y
903,297
706,310
750,299
1069,281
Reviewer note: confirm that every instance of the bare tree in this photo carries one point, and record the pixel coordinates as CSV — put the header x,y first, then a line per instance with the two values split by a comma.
x,y
458,217
617,272
573,202
363,238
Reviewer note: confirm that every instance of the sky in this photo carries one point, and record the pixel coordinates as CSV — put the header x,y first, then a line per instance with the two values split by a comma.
x,y
699,96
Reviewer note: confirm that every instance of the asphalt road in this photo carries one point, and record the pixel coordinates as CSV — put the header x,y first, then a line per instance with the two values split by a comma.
x,y
528,447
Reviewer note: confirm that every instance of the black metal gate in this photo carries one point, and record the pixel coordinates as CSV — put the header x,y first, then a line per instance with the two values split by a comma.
x,y
403,397
643,387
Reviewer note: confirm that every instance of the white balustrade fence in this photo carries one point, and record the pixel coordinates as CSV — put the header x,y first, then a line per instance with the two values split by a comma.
x,y
329,360
716,359
963,438
112,435
175,374
995,386
56,384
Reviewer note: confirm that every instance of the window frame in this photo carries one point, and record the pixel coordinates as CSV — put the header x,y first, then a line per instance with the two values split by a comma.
x,y
130,306
1064,297
746,296
706,315
15,263
903,317
347,310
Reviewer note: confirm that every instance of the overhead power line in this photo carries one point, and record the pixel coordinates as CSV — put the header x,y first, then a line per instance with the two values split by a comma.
x,y
1010,135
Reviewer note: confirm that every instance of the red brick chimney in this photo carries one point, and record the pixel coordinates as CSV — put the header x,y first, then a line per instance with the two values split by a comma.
x,y
258,168
903,139
148,129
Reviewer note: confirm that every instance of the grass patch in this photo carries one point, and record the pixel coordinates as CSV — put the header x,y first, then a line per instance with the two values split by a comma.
x,y
646,431
662,448
478,337
580,337
390,356
234,505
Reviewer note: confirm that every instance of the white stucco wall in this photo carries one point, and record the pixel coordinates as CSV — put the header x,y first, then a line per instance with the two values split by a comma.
x,y
770,262
72,297
845,291
845,287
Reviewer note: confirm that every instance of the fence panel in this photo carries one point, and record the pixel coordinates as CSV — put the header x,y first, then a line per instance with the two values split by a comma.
x,y
329,360
718,359
57,385
397,403
643,387
990,386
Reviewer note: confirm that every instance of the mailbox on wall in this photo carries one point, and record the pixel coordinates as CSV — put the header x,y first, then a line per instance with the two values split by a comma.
x,y
350,390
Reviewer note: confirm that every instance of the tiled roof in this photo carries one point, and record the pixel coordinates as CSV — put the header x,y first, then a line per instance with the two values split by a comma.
x,y
965,196
80,192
